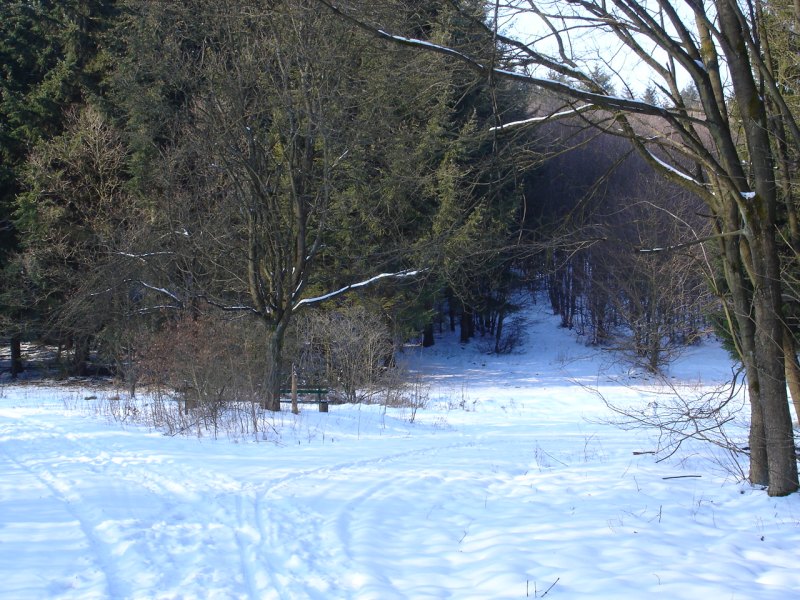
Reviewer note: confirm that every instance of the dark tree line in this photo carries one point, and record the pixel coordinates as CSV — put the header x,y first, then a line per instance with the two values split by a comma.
x,y
246,161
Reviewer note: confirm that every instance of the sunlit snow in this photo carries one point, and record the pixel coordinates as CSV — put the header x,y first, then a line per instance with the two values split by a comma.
x,y
510,484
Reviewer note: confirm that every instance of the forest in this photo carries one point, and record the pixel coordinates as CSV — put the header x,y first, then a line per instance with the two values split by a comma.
x,y
213,197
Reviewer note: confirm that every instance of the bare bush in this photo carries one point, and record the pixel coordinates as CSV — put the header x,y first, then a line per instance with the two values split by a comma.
x,y
683,413
203,375
351,350
209,365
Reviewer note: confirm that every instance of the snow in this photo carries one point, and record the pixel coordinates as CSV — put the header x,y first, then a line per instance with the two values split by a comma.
x,y
511,483
160,290
352,286
672,169
554,116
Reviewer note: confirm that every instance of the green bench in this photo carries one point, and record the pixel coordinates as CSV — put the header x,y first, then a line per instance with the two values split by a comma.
x,y
320,393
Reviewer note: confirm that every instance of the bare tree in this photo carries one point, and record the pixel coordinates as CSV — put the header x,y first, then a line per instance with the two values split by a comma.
x,y
658,285
346,348
250,184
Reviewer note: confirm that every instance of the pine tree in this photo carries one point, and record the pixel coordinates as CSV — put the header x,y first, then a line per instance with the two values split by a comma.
x,y
50,59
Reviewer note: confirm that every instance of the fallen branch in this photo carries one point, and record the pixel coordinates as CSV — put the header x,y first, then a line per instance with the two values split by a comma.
x,y
547,591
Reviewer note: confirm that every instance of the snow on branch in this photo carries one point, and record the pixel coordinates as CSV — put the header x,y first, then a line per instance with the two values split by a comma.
x,y
156,308
352,286
144,255
161,291
668,167
553,117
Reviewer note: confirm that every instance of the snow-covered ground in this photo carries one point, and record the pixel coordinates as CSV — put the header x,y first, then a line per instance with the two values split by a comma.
x,y
510,484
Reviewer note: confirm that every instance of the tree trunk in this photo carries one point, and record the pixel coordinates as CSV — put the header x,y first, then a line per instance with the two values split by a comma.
x,y
498,334
467,325
295,410
758,211
16,356
783,476
80,357
427,336
272,381
778,432
792,369
451,311
742,329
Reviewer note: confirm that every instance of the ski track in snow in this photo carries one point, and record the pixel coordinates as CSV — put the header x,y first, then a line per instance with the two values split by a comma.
x,y
67,495
126,531
504,500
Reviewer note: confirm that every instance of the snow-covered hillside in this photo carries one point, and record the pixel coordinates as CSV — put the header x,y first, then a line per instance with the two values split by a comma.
x,y
510,484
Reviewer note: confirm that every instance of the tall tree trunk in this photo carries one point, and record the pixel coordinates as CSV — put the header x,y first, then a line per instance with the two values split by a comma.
x,y
498,334
467,325
80,357
742,329
757,206
783,476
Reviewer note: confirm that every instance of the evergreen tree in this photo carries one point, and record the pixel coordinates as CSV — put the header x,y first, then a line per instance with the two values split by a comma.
x,y
50,59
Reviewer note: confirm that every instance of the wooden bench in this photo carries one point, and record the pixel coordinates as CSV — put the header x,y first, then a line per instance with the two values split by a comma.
x,y
320,393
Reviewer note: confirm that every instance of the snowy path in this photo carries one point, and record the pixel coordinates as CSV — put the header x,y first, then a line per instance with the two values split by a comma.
x,y
517,494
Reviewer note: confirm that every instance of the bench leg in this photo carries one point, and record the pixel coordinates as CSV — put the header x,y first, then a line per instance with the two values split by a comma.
x,y
323,406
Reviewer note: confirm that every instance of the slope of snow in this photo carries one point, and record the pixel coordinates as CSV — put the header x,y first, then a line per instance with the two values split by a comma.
x,y
510,484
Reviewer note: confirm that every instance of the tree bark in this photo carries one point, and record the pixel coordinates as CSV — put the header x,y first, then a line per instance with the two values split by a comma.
x,y
272,382
743,332
80,357
427,336
792,369
295,410
467,325
498,334
17,366
758,211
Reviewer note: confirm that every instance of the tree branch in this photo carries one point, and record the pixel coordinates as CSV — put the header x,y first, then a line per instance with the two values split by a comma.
x,y
604,100
352,286
693,242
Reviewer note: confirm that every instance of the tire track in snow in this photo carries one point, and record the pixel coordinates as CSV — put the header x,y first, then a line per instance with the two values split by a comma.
x,y
388,515
341,561
265,562
369,527
244,555
251,538
247,529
